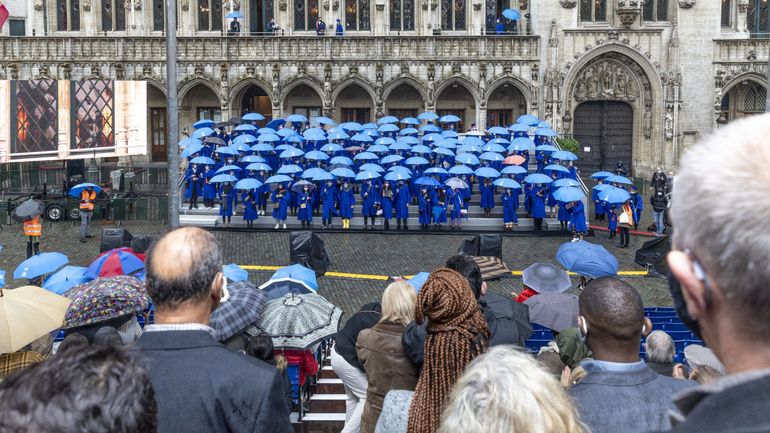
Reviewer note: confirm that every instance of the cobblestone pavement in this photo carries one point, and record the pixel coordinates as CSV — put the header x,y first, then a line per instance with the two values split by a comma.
x,y
364,253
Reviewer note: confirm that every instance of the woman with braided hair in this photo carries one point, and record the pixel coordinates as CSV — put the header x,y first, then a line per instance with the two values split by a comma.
x,y
457,333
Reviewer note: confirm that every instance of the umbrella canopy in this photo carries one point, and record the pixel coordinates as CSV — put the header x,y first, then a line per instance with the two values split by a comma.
x,y
507,183
520,144
104,299
512,14
226,168
262,147
519,127
546,148
331,148
601,175
234,272
427,116
291,152
443,151
513,169
514,160
246,128
366,156
367,175
487,172
587,259
427,181
203,123
278,178
203,160
494,147
277,287
498,130
296,118
416,160
26,314
300,186
202,132
371,167
528,119
28,210
556,311
458,170
449,118
568,194
421,149
322,120
298,272
188,142
456,183
351,126
252,117
558,183
545,277
40,264
410,121
113,263
362,138
275,123
538,178
235,14
467,158
344,160
343,172
390,159
248,184
545,132
77,189
323,176
222,178
242,307
491,156
614,195
299,321
388,127
65,279
418,280
387,119
289,169
217,141
259,166
244,139
378,148
564,155
437,170
226,150
395,176
618,179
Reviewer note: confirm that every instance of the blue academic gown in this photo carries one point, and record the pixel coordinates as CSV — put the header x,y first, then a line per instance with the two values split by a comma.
x,y
538,203
209,189
387,204
577,221
347,201
638,204
402,201
612,219
562,213
540,158
228,201
369,196
192,184
249,207
599,208
456,201
425,208
329,196
487,196
279,213
305,204
509,202
439,208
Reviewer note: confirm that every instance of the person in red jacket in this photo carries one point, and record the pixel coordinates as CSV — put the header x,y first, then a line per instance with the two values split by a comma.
x,y
308,366
524,295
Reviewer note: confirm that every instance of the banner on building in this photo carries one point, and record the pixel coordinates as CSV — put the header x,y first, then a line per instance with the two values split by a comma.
x,y
46,119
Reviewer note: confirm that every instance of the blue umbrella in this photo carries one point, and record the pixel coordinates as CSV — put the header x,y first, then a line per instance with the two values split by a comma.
x,y
268,138
520,144
469,148
226,168
322,120
390,159
449,134
507,183
568,194
351,126
323,176
203,132
311,173
344,160
234,272
367,175
314,135
252,158
491,156
410,121
40,264
421,149
556,167
294,139
546,148
248,184
401,146
493,147
409,131
222,178
565,182
585,258
235,14
372,167
388,127
543,124
278,178
416,160
189,141
296,118
429,129
275,123
449,118
458,170
487,172
263,147
613,195
528,119
467,158
601,175
564,155
76,190
431,138
427,181
513,169
299,273
618,179
536,178
408,140
332,147
519,127
448,143
289,169
545,132
65,279
512,14
361,138
437,170
602,186
244,139
395,176
384,141
366,156
387,120
243,147
498,130
338,134
252,117
203,123
443,151
225,150
192,150
246,128
266,131
291,152
378,148
418,280
259,166
343,172
427,116
400,169
369,125
286,132
283,147
316,155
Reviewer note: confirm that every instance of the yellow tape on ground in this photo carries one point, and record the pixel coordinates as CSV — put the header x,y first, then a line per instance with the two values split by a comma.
x,y
385,277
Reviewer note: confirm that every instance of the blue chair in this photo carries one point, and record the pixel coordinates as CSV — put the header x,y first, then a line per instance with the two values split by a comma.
x,y
292,370
680,345
661,314
675,327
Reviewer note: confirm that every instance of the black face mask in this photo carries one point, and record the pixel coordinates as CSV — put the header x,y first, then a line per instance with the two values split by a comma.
x,y
681,306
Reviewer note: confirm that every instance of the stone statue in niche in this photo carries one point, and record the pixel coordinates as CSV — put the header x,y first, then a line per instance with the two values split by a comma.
x,y
607,81
669,125
631,90
327,91
581,90
718,96
591,81
38,4
647,121
621,82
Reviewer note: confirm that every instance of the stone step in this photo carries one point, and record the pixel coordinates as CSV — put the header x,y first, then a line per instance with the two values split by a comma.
x,y
327,373
322,423
473,211
329,386
327,403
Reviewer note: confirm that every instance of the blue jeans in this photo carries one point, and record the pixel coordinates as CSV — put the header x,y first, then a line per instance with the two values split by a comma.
x,y
659,225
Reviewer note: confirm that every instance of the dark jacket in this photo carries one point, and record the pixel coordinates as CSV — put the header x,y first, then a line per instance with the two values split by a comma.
x,y
508,323
732,404
387,367
659,202
663,369
202,386
628,402
345,340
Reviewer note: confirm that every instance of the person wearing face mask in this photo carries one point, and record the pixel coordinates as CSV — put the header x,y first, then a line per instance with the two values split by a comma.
x,y
720,274
659,180
425,208
329,199
402,205
305,213
619,393
227,196
386,204
209,190
280,199
347,200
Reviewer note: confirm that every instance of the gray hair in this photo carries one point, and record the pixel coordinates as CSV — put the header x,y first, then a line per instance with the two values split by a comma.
x,y
506,390
660,347
730,237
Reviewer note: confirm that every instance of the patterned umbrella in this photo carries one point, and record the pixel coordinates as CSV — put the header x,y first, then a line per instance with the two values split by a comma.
x,y
242,308
299,321
104,299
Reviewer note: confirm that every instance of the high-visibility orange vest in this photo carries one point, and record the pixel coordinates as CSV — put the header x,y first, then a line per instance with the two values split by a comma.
x,y
87,200
33,227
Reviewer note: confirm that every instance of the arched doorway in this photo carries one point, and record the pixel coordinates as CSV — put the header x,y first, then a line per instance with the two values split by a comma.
x,y
156,120
404,101
303,99
254,99
504,105
457,99
606,128
746,98
354,104
199,102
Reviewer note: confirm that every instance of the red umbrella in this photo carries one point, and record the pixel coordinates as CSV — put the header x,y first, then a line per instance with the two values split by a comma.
x,y
113,263
141,256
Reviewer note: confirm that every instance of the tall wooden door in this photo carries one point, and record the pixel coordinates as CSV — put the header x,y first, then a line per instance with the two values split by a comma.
x,y
606,129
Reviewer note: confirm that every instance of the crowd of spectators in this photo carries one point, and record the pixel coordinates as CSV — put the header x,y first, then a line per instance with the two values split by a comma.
x,y
441,358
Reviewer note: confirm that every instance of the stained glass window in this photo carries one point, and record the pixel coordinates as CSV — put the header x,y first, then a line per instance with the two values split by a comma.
x,y
446,14
452,14
593,10
357,15
299,15
216,15
93,122
35,121
726,8
67,15
204,12
655,10
491,15
402,15
459,14
395,15
113,15
408,15
158,15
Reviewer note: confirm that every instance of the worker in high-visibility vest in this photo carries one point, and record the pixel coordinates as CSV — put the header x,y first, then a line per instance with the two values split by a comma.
x,y
33,229
87,200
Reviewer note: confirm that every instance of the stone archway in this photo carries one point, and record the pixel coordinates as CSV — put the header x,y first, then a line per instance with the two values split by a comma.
x,y
251,97
156,123
199,101
505,103
455,97
353,103
303,99
404,100
743,96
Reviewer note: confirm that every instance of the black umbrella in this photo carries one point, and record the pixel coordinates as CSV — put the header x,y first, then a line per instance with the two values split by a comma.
x,y
28,210
652,254
513,315
556,311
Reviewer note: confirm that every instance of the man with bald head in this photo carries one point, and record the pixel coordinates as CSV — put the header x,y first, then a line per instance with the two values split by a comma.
x,y
620,393
200,385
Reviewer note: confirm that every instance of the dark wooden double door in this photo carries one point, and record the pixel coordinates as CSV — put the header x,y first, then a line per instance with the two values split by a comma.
x,y
606,130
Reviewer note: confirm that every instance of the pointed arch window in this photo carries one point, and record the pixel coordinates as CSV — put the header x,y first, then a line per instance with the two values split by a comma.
x,y
755,101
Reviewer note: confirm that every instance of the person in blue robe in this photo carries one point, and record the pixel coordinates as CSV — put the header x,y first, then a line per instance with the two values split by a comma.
x,y
209,189
386,204
577,219
369,197
305,204
563,216
528,198
347,200
456,210
541,159
509,202
402,200
538,206
487,197
329,198
572,171
263,193
439,208
249,208
425,208
280,198
637,204
227,195
339,31
600,210
193,183
612,220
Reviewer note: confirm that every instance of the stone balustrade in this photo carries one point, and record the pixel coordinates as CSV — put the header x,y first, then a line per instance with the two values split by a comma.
x,y
741,50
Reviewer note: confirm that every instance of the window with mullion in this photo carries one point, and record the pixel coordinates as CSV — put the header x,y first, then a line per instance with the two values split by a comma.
x,y
402,15
210,15
113,15
67,15
593,10
453,14
357,15
655,10
726,8
158,15
757,18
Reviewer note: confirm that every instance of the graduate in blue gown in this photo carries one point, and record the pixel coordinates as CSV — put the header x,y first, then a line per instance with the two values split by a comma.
x,y
280,198
439,207
612,221
600,210
541,159
509,203
263,193
249,208
538,195
386,204
577,222
329,198
369,197
346,202
193,183
456,208
637,204
425,208
487,197
227,202
305,205
403,198
209,189
563,216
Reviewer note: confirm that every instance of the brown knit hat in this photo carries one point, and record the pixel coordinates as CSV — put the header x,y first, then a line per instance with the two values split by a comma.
x,y
457,333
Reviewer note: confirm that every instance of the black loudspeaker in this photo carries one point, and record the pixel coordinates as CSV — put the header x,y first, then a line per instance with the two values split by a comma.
x,y
483,245
141,244
115,238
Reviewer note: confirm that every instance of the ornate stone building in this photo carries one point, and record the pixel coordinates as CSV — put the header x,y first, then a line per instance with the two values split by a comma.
x,y
632,80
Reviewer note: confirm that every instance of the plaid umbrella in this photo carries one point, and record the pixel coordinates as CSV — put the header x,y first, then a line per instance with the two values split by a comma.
x,y
242,308
105,298
299,321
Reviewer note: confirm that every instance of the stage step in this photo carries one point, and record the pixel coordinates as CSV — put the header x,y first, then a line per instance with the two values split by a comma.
x,y
327,373
322,423
329,386
327,403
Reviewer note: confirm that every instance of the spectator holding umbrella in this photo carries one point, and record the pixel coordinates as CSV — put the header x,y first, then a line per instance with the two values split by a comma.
x,y
28,213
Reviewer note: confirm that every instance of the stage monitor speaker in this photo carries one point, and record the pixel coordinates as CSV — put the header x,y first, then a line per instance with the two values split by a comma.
x,y
115,238
308,249
483,245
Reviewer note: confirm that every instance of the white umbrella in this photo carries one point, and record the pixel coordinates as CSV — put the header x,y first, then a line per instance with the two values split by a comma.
x,y
28,313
